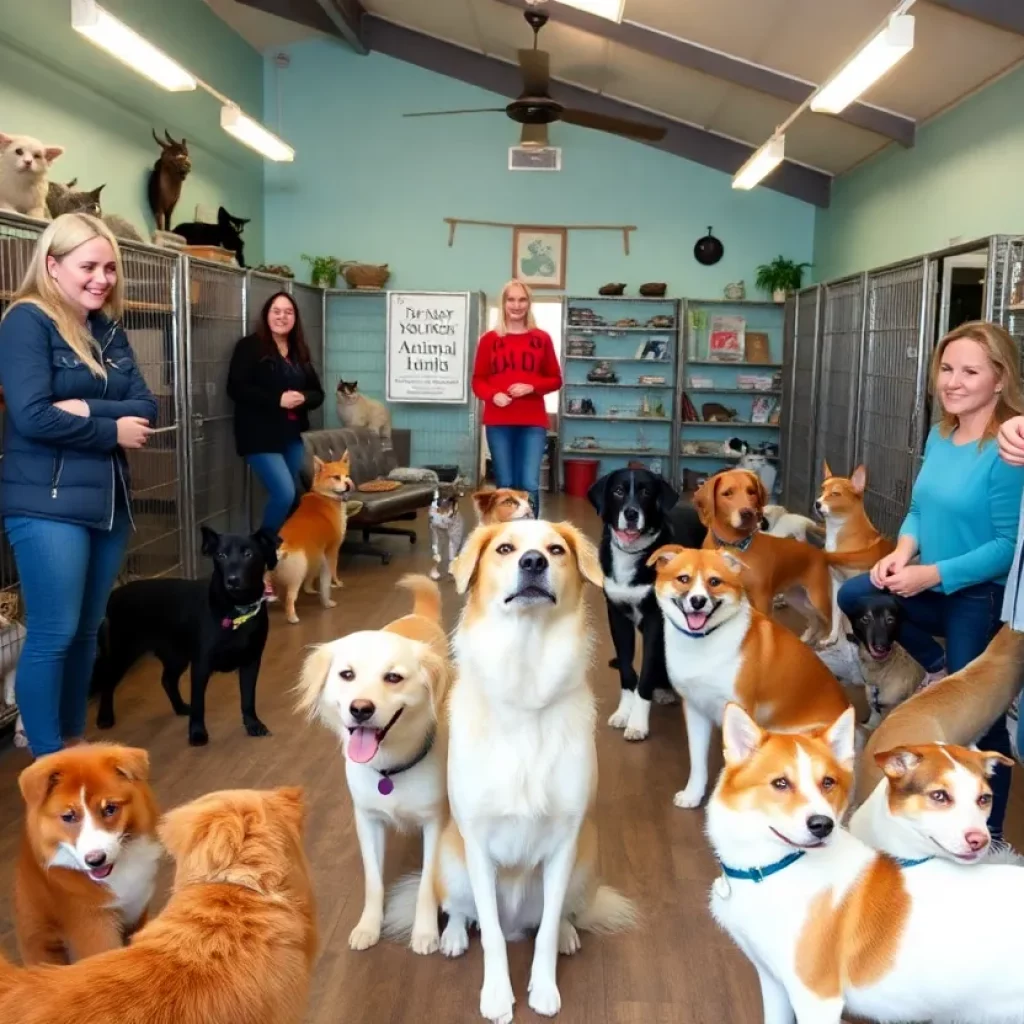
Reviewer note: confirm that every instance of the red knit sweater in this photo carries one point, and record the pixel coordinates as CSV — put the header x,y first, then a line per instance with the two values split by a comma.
x,y
516,359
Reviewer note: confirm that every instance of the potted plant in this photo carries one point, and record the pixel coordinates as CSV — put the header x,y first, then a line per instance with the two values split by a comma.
x,y
324,270
780,277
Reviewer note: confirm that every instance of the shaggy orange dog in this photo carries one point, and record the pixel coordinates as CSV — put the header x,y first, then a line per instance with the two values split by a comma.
x,y
234,945
313,534
89,853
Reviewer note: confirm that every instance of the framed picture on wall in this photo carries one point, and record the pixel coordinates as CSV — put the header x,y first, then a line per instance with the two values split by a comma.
x,y
538,256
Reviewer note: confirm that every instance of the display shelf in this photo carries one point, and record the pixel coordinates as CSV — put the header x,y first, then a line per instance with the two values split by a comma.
x,y
624,420
723,342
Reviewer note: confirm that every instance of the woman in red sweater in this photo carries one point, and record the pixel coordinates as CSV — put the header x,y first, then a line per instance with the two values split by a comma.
x,y
515,368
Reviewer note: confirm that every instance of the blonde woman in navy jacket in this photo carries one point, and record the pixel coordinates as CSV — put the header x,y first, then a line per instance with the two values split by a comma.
x,y
75,401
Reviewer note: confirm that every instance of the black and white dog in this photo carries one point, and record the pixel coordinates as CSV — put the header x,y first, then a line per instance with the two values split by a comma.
x,y
640,512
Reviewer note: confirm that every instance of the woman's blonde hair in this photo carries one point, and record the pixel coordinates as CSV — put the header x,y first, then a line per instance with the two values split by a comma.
x,y
501,327
1002,352
39,289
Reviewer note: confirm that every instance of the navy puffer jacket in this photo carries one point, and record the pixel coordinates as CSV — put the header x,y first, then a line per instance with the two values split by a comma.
x,y
57,465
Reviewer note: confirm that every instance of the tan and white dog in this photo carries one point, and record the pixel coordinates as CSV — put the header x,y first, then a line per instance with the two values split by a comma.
x,y
828,922
719,649
501,504
933,802
521,849
382,692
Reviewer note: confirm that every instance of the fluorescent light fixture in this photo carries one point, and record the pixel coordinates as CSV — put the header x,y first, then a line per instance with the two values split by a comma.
x,y
254,135
867,66
761,164
103,29
610,9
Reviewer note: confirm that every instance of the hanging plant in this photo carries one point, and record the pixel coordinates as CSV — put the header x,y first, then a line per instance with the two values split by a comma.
x,y
324,271
780,277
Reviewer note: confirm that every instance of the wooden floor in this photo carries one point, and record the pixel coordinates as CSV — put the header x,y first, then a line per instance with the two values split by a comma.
x,y
676,969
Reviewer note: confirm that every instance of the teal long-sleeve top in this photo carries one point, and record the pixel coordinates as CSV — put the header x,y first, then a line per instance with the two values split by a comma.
x,y
964,512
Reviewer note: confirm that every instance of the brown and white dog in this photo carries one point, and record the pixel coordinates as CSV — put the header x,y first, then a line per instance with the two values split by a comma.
x,y
383,692
501,505
830,923
89,852
520,851
957,710
720,650
312,535
731,505
934,801
235,942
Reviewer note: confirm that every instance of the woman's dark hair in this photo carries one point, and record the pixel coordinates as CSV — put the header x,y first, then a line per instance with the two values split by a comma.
x,y
297,346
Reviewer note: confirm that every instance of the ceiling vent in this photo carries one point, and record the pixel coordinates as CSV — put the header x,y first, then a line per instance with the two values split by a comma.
x,y
532,158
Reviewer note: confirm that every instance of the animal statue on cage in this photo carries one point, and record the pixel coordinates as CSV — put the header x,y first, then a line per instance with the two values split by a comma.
x,y
166,179
227,233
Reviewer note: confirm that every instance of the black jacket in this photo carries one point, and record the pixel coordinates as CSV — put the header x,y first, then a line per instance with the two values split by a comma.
x,y
256,382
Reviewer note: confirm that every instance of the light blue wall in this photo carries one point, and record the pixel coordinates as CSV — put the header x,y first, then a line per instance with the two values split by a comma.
x,y
58,87
370,186
961,180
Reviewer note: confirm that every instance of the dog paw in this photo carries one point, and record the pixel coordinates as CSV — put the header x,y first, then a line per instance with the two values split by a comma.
x,y
182,710
619,720
497,1000
568,939
425,940
687,799
666,697
544,998
434,574
363,936
454,940
330,604
198,736
256,728
635,734
293,619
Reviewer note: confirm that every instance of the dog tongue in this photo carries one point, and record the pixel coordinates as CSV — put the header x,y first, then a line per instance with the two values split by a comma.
x,y
696,620
628,535
363,745
103,872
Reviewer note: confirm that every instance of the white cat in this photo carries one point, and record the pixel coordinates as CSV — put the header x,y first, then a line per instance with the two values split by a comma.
x,y
24,164
357,410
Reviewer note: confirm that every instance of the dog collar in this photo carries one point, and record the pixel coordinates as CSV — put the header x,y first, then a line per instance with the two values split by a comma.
x,y
760,874
241,615
738,545
385,785
906,862
875,699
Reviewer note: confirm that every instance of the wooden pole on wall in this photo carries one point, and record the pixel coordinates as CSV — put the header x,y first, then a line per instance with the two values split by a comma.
x,y
624,228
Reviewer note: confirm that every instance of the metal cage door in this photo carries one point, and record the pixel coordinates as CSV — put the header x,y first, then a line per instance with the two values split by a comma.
x,y
842,322
215,304
802,404
892,389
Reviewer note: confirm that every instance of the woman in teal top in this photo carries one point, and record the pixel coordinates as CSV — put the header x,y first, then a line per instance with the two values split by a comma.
x,y
962,521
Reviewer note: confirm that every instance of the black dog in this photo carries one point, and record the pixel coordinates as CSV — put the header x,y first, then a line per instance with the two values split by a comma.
x,y
640,512
220,626
875,624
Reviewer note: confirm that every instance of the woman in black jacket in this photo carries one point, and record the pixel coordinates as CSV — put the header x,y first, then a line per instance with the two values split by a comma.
x,y
274,387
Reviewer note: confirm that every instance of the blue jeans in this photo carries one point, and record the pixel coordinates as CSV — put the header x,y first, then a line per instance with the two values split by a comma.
x,y
66,573
968,619
278,472
517,453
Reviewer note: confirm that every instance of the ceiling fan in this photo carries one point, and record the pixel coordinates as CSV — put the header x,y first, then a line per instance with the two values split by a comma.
x,y
534,108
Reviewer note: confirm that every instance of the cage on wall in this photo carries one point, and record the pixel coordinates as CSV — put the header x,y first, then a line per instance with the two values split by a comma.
x,y
355,350
802,374
842,322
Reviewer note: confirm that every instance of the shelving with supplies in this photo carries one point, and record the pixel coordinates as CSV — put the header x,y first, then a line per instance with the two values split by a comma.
x,y
730,386
620,366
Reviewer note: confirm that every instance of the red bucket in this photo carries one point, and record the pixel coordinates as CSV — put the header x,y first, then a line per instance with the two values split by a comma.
x,y
580,475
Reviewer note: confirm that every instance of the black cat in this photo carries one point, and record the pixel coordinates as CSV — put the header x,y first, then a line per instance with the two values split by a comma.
x,y
227,233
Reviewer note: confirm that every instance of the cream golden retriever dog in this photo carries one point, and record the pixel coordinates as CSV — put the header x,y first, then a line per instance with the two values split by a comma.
x,y
381,692
520,851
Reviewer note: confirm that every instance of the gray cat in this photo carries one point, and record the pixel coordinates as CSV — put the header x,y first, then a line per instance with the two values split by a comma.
x,y
357,410
66,199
